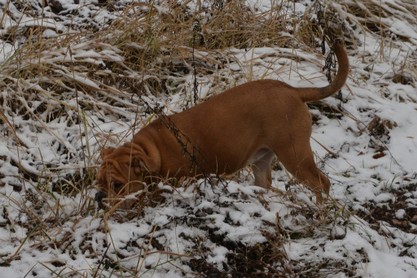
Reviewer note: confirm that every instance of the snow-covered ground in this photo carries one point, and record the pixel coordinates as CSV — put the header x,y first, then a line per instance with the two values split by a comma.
x,y
59,106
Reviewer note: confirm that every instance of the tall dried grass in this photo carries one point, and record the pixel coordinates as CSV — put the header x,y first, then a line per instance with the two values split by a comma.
x,y
78,78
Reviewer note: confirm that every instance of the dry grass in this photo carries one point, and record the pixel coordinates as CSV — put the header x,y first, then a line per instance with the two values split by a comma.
x,y
145,52
77,79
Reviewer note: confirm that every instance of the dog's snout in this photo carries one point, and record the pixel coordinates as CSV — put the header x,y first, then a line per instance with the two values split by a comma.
x,y
99,198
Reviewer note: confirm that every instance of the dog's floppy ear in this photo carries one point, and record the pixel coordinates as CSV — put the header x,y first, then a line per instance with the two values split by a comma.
x,y
105,152
144,163
144,160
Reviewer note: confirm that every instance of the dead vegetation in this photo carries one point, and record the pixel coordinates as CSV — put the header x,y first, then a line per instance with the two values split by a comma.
x,y
77,80
147,51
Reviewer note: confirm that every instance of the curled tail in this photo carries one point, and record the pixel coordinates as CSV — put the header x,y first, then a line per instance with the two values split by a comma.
x,y
315,94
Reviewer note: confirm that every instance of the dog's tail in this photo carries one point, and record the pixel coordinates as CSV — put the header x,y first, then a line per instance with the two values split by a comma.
x,y
315,94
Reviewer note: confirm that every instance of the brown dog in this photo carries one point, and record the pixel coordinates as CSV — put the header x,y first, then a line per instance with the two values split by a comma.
x,y
249,124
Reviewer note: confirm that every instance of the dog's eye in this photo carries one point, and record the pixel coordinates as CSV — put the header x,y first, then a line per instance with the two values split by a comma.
x,y
117,186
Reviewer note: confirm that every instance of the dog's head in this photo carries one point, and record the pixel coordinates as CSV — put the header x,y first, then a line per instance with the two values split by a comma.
x,y
125,170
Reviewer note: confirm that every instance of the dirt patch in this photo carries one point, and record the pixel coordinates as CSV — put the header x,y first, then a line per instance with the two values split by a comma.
x,y
398,211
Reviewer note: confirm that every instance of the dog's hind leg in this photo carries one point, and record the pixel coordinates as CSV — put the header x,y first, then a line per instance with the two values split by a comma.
x,y
262,167
299,161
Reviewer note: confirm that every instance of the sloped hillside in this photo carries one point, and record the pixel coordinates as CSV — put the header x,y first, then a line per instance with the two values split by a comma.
x,y
79,75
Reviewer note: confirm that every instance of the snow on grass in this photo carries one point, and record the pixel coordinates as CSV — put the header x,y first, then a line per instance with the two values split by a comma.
x,y
76,77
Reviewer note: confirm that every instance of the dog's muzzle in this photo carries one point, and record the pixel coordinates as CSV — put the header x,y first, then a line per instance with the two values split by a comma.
x,y
99,199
